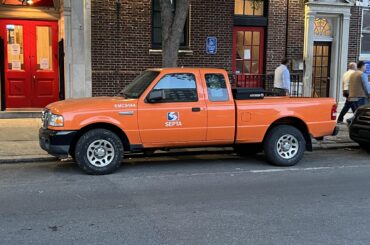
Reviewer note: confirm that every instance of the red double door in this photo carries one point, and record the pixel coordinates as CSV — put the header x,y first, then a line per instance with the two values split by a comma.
x,y
31,62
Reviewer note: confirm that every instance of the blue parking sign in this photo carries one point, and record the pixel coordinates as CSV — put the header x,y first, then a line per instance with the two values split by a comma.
x,y
211,45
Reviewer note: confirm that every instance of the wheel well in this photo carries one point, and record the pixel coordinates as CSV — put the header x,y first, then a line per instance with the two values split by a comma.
x,y
110,127
297,123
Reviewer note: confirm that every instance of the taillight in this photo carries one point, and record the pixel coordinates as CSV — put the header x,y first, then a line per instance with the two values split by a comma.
x,y
334,112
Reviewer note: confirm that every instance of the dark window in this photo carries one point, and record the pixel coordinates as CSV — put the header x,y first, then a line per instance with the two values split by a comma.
x,y
178,88
157,27
216,87
365,37
249,7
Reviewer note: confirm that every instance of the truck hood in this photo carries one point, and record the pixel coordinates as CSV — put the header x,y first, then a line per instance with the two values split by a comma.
x,y
92,104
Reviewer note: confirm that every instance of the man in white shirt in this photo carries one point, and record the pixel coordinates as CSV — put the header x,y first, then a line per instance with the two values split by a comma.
x,y
345,83
282,79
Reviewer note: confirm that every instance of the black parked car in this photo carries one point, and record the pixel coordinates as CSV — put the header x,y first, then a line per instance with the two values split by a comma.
x,y
359,128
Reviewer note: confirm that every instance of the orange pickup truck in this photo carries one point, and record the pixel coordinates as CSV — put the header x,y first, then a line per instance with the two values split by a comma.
x,y
183,107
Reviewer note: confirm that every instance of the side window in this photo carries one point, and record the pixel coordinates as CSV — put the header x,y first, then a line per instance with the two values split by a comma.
x,y
178,88
216,87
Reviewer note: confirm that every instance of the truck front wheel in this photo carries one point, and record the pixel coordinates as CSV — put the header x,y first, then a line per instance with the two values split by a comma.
x,y
284,145
99,151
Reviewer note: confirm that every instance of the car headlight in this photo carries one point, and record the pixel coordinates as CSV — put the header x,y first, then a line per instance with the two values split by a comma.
x,y
56,120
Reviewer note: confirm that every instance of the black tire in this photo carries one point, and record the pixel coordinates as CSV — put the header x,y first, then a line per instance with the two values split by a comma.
x,y
72,153
247,149
277,153
365,146
99,151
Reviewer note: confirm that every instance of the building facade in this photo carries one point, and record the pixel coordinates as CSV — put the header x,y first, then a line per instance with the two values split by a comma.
x,y
56,49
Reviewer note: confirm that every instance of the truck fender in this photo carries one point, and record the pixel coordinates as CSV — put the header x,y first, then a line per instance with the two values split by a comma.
x,y
296,122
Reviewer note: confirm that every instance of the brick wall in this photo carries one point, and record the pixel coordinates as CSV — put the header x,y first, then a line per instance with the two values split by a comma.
x,y
121,42
354,34
276,34
277,47
296,29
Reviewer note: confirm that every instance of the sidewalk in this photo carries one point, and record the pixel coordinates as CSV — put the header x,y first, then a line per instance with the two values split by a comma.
x,y
19,141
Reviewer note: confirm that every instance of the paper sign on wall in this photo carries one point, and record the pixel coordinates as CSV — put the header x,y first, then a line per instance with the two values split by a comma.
x,y
15,49
247,54
16,65
44,63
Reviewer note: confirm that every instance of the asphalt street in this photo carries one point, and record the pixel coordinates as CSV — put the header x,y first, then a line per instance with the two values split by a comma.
x,y
192,199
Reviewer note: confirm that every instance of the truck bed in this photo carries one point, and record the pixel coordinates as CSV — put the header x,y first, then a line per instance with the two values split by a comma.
x,y
255,116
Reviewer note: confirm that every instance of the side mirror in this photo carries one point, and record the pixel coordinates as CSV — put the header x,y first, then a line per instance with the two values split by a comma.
x,y
156,96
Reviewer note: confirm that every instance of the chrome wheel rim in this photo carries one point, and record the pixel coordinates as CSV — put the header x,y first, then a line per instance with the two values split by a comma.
x,y
287,146
100,153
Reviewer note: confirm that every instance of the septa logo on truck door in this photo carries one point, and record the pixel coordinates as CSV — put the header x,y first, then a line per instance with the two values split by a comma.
x,y
173,116
173,119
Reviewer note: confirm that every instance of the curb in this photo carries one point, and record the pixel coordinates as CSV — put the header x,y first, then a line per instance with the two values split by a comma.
x,y
26,159
334,146
31,159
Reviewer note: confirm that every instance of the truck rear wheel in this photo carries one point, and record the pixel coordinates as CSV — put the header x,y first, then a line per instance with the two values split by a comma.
x,y
284,145
99,151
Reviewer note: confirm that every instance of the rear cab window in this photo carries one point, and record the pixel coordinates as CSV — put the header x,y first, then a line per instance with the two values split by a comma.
x,y
216,87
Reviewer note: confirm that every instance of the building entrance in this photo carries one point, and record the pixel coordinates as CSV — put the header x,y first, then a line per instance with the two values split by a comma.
x,y
30,62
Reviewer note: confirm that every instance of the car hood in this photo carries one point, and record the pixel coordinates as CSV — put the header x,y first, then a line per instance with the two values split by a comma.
x,y
91,104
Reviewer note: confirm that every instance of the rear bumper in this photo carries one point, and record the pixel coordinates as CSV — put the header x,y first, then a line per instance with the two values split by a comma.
x,y
56,143
359,133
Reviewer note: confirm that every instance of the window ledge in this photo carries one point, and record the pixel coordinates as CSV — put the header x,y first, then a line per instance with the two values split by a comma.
x,y
364,57
181,51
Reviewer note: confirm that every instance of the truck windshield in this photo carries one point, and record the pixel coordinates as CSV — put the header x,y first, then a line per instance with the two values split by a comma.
x,y
139,85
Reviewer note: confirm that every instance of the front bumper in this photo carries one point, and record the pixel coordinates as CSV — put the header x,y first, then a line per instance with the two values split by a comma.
x,y
359,133
56,143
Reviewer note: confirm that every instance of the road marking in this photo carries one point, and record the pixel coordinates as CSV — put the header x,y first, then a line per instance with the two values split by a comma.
x,y
255,171
296,169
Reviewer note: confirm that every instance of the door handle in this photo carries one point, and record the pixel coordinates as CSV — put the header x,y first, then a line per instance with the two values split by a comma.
x,y
195,109
126,113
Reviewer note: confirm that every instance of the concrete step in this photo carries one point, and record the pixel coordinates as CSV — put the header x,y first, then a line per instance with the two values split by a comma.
x,y
20,114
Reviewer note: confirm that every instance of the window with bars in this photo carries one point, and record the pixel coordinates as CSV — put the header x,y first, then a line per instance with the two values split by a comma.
x,y
365,33
157,27
249,7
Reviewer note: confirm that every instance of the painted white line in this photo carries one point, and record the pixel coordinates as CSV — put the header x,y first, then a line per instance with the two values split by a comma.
x,y
296,169
255,171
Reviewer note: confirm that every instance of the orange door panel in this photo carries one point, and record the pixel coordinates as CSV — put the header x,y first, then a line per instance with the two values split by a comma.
x,y
220,107
179,119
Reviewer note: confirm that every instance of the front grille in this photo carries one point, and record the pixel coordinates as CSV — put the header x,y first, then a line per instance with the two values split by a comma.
x,y
45,118
364,117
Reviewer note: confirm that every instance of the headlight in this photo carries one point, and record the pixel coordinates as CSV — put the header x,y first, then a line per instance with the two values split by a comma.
x,y
56,120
